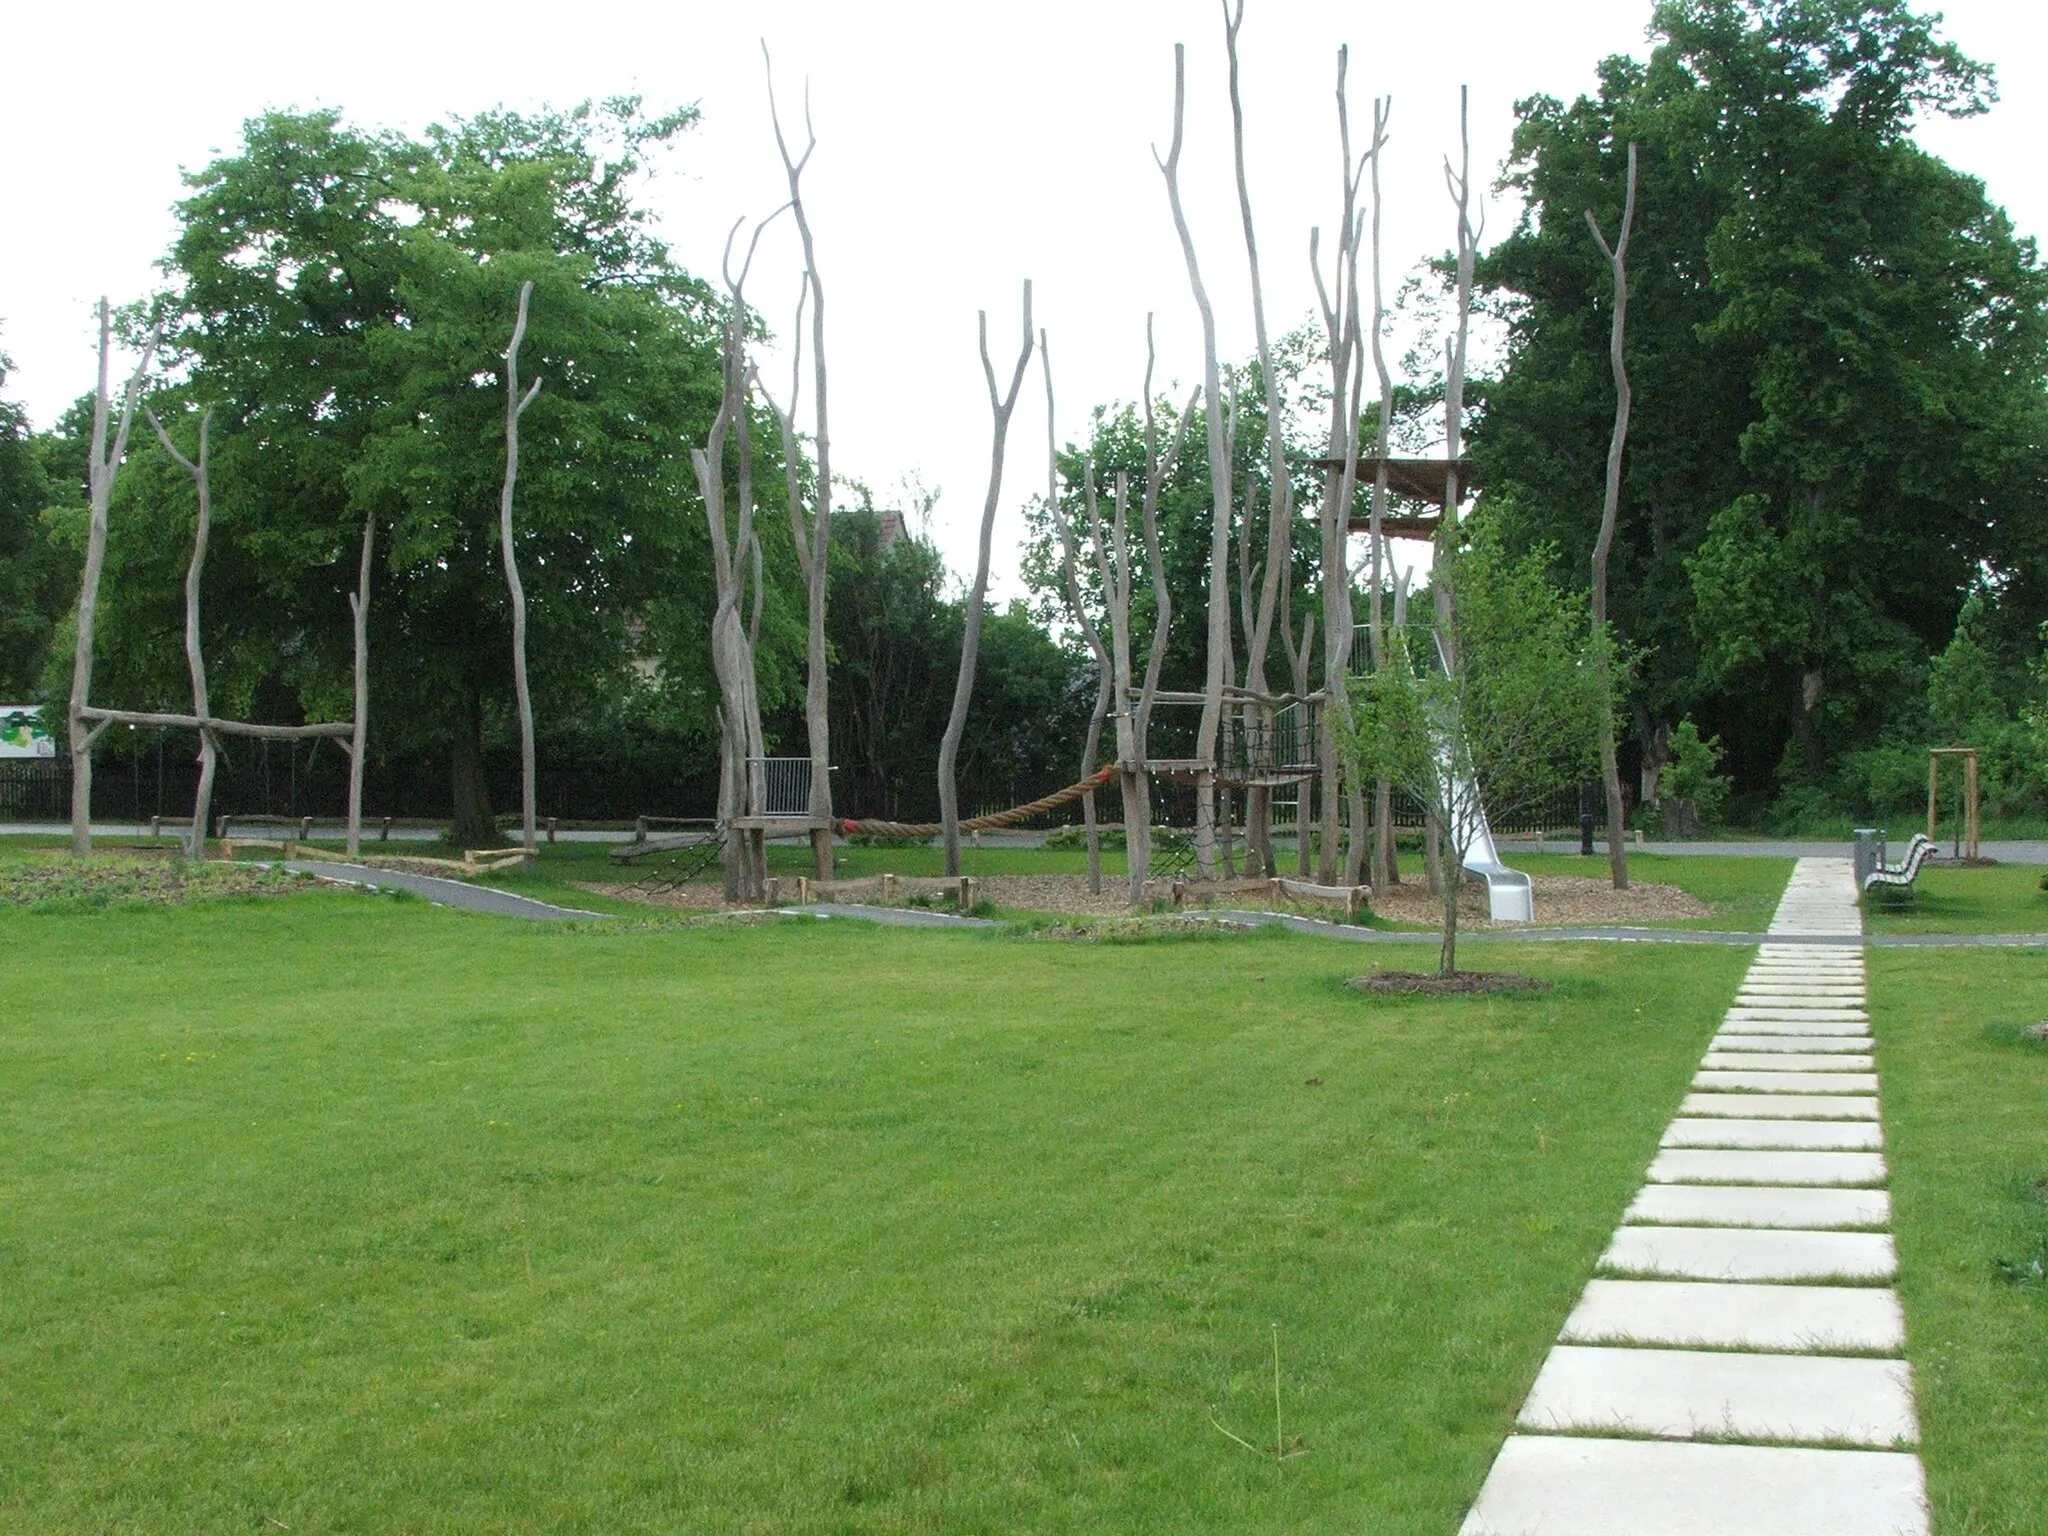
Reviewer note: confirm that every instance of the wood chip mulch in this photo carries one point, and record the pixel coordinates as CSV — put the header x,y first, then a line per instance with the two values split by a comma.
x,y
1429,984
1561,900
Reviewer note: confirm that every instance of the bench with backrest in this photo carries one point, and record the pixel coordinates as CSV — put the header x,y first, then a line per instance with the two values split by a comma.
x,y
1900,876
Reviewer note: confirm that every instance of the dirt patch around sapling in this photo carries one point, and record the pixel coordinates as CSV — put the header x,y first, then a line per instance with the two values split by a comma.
x,y
1429,984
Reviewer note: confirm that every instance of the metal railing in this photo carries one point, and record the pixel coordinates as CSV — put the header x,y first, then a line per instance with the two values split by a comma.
x,y
780,786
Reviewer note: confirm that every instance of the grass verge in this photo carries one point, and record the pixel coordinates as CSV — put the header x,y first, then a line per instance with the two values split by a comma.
x,y
2001,898
348,1215
1966,1130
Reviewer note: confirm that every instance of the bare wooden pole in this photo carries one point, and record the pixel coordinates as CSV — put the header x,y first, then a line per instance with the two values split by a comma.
x,y
732,656
103,466
1137,780
1279,562
1442,580
1000,407
195,659
1083,619
1610,507
359,727
1339,302
1385,868
816,562
1217,668
515,407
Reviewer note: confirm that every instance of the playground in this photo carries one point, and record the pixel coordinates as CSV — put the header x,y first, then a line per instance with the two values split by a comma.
x,y
641,998
336,1209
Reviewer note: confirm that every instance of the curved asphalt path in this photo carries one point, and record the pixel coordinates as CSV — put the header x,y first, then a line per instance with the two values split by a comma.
x,y
443,893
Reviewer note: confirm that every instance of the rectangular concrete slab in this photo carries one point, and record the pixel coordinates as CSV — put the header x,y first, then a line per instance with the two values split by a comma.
x,y
1569,1485
1775,1043
1814,1319
1778,1025
1781,1106
1687,1394
1735,1058
1750,1254
1823,1002
1767,976
1787,1082
1760,1205
1773,979
1856,1016
1676,1165
1802,1135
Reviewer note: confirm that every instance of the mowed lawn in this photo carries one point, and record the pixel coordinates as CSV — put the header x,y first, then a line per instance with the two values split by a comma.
x,y
343,1213
1966,1131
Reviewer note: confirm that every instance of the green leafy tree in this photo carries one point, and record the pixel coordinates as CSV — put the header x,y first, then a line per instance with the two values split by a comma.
x,y
1517,718
1838,347
343,302
34,572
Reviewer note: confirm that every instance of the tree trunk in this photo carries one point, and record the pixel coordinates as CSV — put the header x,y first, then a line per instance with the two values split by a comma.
x,y
1090,750
1217,663
359,610
1278,564
1610,767
515,407
1445,858
970,640
1386,865
817,563
102,469
474,825
195,656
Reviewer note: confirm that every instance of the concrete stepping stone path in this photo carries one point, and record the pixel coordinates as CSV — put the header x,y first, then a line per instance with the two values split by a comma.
x,y
1742,1340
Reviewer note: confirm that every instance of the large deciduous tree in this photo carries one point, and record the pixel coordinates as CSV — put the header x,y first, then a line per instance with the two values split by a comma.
x,y
1837,348
342,305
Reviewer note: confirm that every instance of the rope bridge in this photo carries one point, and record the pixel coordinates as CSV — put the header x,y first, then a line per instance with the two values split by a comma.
x,y
1009,818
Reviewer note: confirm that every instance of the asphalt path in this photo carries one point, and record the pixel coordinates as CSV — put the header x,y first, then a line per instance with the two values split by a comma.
x,y
443,893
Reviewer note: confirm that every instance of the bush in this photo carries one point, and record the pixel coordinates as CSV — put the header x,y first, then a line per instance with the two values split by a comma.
x,y
1689,780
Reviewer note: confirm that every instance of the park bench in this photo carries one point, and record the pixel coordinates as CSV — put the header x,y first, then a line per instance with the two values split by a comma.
x,y
1900,876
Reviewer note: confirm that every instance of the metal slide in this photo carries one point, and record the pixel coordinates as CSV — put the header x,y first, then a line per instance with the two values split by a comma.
x,y
1510,898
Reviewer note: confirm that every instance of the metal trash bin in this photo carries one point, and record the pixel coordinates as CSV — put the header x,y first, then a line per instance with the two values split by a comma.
x,y
1869,853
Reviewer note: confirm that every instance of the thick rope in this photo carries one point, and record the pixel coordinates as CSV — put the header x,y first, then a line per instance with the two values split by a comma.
x,y
1009,818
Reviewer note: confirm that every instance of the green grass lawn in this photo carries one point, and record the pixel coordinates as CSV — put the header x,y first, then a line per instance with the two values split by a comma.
x,y
2003,898
1966,1130
340,1213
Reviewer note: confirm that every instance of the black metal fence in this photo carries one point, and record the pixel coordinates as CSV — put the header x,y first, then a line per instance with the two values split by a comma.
x,y
155,774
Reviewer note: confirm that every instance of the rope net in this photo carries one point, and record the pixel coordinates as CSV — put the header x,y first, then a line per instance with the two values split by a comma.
x,y
1010,818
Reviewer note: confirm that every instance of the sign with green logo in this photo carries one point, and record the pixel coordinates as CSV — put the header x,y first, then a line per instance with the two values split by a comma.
x,y
22,733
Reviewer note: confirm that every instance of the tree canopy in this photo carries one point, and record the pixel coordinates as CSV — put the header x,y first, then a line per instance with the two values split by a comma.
x,y
1838,347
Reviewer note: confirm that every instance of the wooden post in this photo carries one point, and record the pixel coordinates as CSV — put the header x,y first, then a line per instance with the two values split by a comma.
x,y
1933,776
1970,804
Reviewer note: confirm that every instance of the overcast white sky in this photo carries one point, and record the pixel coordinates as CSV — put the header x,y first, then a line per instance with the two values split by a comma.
x,y
963,148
